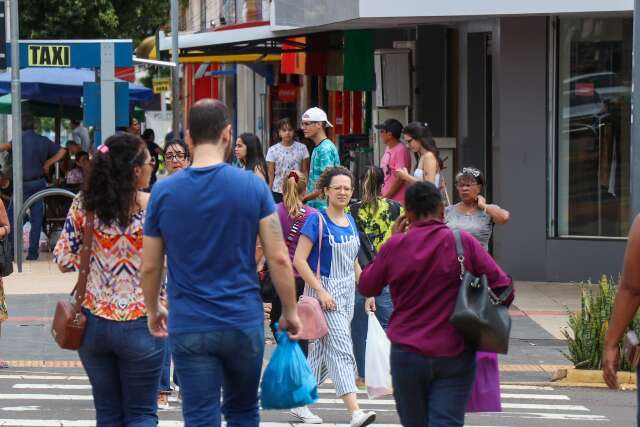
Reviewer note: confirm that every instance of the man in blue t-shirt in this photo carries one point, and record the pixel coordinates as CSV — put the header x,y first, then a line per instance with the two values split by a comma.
x,y
207,219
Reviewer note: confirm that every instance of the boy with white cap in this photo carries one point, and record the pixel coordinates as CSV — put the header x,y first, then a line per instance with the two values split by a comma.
x,y
324,155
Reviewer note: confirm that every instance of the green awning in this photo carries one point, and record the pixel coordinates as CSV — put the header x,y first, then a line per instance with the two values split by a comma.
x,y
359,69
41,109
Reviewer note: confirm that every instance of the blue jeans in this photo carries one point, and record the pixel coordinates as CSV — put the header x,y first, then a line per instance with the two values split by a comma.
x,y
36,215
123,362
165,377
207,361
360,324
431,391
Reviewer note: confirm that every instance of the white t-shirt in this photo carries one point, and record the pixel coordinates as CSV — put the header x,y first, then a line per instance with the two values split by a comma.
x,y
286,159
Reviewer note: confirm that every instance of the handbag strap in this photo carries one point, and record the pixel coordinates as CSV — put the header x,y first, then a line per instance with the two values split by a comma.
x,y
85,256
320,223
296,226
460,252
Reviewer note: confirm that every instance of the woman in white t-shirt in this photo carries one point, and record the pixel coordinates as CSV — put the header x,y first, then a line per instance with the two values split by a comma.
x,y
285,156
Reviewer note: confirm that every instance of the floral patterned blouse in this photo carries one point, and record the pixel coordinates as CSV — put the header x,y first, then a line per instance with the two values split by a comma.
x,y
113,285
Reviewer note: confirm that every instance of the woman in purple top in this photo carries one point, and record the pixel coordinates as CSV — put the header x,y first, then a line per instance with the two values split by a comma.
x,y
293,214
429,357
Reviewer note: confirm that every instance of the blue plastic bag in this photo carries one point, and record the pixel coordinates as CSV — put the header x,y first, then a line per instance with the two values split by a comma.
x,y
288,381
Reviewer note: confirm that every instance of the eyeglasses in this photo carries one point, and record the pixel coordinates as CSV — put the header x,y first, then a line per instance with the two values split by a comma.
x,y
466,184
306,124
175,157
344,188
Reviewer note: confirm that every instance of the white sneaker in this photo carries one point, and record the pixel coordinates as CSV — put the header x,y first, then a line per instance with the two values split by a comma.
x,y
361,418
305,415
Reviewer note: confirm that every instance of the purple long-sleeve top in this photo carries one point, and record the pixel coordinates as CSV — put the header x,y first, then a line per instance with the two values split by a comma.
x,y
423,274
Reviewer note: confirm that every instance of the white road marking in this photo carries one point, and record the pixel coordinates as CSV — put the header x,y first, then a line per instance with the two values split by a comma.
x,y
20,408
45,377
53,386
535,396
45,397
542,407
524,387
91,423
551,416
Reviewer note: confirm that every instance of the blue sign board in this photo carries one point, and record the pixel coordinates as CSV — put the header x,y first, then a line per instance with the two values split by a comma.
x,y
70,53
91,97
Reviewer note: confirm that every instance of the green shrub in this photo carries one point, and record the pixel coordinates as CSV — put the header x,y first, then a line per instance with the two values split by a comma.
x,y
588,326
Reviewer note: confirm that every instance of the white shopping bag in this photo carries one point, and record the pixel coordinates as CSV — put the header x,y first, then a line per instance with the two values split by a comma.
x,y
377,365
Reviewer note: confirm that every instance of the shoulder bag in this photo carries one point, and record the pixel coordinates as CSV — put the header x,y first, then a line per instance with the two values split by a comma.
x,y
479,314
6,266
314,324
68,321
367,251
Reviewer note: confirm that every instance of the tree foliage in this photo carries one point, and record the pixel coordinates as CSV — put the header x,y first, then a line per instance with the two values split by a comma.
x,y
92,19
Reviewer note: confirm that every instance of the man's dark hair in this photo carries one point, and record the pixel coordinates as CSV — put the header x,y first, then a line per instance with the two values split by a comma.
x,y
423,199
75,122
28,121
207,119
81,154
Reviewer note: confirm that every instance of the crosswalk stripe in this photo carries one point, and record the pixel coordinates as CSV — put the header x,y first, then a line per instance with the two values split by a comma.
x,y
91,423
535,396
524,387
45,397
543,407
45,377
552,416
53,386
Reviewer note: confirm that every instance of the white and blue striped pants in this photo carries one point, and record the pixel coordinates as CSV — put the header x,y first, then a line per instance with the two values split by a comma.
x,y
332,355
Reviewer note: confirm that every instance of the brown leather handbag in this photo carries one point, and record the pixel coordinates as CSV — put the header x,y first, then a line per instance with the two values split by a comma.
x,y
68,321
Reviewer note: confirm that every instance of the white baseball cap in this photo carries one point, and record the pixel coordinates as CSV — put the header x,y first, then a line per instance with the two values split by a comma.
x,y
315,114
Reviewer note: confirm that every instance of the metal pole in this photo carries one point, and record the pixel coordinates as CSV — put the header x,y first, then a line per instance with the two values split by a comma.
x,y
176,106
107,91
635,115
16,115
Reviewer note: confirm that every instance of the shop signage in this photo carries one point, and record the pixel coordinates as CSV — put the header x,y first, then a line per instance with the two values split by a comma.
x,y
49,55
287,92
161,84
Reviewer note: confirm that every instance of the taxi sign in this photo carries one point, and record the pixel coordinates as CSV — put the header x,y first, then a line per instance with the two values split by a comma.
x,y
49,55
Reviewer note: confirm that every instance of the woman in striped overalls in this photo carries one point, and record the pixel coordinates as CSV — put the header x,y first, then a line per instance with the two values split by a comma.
x,y
332,356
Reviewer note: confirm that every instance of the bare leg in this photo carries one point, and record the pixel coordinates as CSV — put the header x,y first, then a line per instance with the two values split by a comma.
x,y
3,364
351,402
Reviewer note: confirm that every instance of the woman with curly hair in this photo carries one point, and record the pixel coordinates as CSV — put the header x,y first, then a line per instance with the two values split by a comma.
x,y
332,355
122,360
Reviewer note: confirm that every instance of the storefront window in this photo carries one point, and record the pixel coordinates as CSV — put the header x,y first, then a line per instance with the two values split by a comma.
x,y
593,126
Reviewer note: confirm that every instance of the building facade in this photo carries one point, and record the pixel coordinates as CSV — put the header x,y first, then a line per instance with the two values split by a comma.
x,y
535,93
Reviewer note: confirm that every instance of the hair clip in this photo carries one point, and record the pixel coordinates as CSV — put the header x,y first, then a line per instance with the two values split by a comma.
x,y
293,175
425,124
471,171
104,149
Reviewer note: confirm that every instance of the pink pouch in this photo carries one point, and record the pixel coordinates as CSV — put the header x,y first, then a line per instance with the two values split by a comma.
x,y
314,324
485,393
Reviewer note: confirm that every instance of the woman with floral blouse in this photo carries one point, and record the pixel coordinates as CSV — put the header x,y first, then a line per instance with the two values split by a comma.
x,y
122,360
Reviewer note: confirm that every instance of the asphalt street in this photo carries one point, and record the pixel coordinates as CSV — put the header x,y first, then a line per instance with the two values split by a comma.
x,y
52,389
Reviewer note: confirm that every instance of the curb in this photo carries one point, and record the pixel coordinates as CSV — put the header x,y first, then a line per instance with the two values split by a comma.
x,y
571,377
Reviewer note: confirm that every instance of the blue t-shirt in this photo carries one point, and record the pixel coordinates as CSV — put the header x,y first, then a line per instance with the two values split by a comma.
x,y
340,234
36,149
208,218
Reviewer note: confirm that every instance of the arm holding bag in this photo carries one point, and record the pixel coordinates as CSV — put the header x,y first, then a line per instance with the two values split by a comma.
x,y
288,381
68,321
479,314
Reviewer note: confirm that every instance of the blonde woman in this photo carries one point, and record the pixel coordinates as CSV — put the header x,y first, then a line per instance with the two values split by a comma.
x,y
293,214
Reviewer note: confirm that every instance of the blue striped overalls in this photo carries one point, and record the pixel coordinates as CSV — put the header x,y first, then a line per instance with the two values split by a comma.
x,y
332,356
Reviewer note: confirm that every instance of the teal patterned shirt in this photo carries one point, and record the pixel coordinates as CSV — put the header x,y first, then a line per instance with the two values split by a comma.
x,y
323,156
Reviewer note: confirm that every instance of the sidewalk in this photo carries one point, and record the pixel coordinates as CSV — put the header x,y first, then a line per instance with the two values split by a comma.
x,y
539,313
